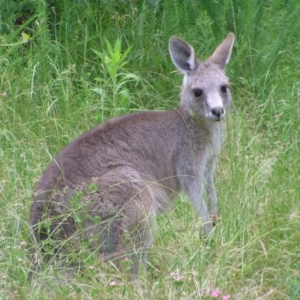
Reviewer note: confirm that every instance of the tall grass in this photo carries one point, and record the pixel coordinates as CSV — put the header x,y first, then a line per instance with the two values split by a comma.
x,y
50,84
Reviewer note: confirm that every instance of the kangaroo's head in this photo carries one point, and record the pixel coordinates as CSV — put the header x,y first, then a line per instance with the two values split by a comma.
x,y
205,89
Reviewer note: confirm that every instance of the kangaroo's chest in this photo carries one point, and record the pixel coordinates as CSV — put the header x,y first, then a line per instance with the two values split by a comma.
x,y
208,142
217,138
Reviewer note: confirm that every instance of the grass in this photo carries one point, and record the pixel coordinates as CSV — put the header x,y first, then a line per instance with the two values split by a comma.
x,y
50,83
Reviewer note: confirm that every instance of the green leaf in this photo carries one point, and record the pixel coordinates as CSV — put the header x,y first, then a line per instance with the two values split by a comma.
x,y
76,219
117,46
101,79
126,52
98,91
109,47
102,55
129,76
125,94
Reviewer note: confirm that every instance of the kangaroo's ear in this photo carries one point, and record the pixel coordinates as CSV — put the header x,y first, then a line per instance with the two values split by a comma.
x,y
222,54
182,54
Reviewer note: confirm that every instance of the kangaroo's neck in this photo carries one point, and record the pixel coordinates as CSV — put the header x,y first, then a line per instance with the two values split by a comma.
x,y
208,132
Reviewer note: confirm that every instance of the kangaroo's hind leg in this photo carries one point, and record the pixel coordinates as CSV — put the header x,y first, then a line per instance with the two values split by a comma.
x,y
124,207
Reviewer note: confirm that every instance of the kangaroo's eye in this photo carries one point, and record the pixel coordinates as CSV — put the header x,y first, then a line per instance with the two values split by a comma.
x,y
198,93
224,89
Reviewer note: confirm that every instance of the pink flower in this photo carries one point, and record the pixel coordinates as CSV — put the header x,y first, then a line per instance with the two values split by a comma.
x,y
215,293
226,297
112,283
176,276
4,94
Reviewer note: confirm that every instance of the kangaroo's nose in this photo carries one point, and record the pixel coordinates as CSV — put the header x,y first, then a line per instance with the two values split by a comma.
x,y
217,111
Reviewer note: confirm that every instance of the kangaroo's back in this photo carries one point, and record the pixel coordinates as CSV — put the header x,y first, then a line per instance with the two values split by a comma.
x,y
139,140
113,180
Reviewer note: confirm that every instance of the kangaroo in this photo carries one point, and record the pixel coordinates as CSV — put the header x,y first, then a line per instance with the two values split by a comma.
x,y
107,186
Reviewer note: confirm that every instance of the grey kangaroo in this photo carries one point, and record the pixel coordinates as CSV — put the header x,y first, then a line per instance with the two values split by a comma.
x,y
107,186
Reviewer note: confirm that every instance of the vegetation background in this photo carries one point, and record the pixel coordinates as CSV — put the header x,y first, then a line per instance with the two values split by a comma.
x,y
67,65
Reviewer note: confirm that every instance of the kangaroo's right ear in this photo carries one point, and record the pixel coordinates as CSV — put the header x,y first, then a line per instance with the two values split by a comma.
x,y
182,54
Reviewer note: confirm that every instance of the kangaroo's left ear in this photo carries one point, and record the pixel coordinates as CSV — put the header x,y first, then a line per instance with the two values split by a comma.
x,y
222,54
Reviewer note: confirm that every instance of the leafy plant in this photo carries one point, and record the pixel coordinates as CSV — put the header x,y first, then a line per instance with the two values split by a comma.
x,y
115,95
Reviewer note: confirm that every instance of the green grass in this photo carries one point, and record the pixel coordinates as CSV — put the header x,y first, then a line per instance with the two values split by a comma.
x,y
50,83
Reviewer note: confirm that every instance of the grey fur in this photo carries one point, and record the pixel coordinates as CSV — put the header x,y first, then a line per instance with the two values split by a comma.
x,y
108,185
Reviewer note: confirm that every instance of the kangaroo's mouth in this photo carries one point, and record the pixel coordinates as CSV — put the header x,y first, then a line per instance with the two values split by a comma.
x,y
216,118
